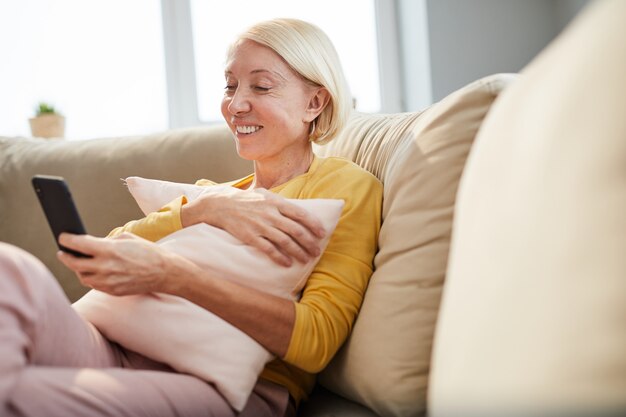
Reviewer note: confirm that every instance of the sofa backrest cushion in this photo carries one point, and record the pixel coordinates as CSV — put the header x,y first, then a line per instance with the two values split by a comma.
x,y
419,157
533,318
93,170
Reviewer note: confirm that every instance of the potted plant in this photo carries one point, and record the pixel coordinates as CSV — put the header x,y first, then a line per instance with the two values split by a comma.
x,y
48,122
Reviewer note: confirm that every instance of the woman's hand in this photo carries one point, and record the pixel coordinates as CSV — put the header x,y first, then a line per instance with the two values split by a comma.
x,y
123,265
264,220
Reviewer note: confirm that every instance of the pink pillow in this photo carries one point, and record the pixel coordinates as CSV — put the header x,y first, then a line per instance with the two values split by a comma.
x,y
189,338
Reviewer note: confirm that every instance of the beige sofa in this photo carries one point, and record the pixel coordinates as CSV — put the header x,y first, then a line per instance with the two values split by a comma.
x,y
534,266
418,156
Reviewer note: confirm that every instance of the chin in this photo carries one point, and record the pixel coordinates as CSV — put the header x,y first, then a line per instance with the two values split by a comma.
x,y
247,153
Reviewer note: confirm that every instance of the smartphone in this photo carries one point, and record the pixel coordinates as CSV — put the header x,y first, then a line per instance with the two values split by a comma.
x,y
59,208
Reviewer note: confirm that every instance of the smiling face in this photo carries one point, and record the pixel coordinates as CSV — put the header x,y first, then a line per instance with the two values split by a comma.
x,y
267,105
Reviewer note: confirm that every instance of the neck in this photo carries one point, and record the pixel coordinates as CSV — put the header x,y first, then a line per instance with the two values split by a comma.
x,y
272,174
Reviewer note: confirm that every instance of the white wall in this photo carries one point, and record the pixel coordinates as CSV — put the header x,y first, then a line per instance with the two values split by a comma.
x,y
460,41
565,10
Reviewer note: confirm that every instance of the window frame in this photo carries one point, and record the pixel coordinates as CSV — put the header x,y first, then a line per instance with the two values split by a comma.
x,y
180,61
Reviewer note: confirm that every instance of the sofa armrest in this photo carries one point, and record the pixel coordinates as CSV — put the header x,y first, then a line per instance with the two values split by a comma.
x,y
93,170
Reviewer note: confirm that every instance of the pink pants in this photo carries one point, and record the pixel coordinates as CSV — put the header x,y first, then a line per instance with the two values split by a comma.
x,y
54,363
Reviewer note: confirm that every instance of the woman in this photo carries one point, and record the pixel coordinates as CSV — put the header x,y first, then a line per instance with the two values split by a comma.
x,y
284,90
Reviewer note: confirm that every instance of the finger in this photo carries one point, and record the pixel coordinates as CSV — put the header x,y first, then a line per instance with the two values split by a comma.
x,y
269,238
86,279
80,265
271,251
109,286
303,217
300,235
301,247
87,244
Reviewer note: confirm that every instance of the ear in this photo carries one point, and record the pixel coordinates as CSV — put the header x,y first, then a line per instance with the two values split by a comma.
x,y
317,103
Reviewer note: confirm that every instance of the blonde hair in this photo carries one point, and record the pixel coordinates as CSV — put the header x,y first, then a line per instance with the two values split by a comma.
x,y
309,51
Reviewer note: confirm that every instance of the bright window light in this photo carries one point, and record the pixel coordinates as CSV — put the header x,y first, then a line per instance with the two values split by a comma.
x,y
350,24
100,63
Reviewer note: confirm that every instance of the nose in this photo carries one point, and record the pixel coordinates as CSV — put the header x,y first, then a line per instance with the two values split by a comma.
x,y
239,102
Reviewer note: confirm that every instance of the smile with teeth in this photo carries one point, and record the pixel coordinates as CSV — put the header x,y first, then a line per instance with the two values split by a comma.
x,y
248,129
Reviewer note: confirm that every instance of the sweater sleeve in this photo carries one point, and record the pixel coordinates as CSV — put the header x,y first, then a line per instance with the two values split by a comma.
x,y
334,292
160,223
155,225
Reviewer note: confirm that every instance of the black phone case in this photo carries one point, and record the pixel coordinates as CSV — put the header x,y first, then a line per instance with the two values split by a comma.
x,y
59,208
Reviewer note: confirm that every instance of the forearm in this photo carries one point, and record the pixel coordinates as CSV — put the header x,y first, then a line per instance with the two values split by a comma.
x,y
155,225
266,318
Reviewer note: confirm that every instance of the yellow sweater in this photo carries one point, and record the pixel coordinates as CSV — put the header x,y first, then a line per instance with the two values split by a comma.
x,y
333,294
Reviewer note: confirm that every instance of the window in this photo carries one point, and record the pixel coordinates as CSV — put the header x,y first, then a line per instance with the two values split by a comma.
x,y
99,63
350,24
134,67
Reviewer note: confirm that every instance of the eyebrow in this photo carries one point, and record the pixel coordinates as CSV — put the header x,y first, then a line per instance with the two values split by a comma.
x,y
260,71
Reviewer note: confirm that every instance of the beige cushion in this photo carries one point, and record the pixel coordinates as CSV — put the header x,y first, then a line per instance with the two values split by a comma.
x,y
533,319
419,158
93,170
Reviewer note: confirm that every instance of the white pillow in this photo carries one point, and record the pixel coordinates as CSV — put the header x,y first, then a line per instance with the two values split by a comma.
x,y
189,338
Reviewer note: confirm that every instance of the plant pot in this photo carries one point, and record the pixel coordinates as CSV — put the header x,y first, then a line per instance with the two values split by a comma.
x,y
47,126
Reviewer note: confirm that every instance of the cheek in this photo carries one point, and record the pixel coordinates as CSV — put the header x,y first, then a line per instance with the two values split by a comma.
x,y
224,108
